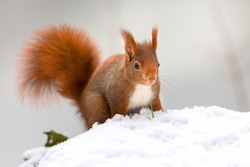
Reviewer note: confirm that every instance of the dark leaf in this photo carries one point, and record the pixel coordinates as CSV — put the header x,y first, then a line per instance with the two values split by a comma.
x,y
54,138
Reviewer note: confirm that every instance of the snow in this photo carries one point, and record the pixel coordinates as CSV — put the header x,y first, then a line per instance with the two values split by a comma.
x,y
196,137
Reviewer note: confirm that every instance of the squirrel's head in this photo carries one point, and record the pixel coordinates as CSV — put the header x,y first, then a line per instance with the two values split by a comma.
x,y
141,64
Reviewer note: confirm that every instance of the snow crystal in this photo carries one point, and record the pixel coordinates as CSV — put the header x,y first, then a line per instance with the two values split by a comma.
x,y
194,137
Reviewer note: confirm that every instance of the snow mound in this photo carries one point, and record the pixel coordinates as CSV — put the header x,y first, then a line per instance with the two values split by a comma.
x,y
198,137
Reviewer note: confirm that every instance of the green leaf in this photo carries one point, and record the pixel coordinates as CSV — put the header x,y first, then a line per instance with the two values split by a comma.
x,y
152,112
54,138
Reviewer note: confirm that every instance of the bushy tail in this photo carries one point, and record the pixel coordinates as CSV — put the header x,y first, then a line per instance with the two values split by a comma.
x,y
61,58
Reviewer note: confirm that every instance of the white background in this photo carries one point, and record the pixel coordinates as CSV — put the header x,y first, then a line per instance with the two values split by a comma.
x,y
190,51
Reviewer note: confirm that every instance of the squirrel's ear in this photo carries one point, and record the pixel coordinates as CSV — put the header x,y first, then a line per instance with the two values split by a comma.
x,y
130,44
154,37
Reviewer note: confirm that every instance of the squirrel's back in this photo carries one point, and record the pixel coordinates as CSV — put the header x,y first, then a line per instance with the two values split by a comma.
x,y
58,57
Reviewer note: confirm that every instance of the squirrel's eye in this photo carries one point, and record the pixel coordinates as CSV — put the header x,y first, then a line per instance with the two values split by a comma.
x,y
158,64
136,66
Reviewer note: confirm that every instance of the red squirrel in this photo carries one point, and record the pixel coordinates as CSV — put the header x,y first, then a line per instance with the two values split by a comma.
x,y
66,59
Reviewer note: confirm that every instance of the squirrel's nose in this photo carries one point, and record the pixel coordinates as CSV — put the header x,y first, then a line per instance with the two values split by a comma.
x,y
152,79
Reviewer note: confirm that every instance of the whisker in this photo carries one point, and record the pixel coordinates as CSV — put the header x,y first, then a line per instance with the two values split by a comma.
x,y
167,86
167,93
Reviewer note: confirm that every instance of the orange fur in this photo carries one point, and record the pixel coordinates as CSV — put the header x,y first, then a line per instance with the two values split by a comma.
x,y
130,44
154,38
62,57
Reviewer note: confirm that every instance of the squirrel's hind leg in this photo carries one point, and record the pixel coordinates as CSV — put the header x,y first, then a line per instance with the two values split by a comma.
x,y
94,108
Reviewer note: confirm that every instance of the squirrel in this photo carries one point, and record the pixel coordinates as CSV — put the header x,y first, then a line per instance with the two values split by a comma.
x,y
67,60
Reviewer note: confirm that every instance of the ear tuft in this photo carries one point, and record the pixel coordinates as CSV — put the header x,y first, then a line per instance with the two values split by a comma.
x,y
154,37
130,44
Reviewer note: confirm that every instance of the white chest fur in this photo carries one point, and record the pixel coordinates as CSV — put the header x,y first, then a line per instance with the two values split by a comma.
x,y
142,96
